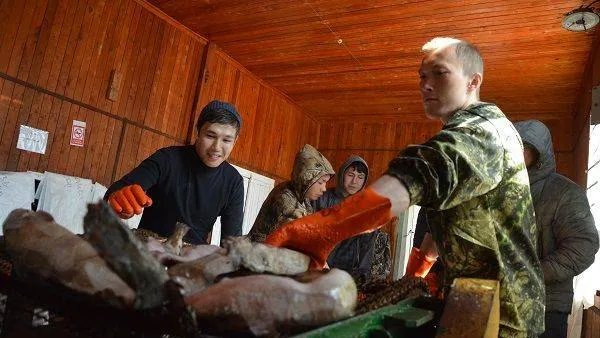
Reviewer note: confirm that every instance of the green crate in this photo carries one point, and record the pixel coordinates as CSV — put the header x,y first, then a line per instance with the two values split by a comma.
x,y
398,320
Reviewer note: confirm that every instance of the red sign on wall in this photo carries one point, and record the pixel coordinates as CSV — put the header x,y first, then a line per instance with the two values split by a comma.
x,y
77,133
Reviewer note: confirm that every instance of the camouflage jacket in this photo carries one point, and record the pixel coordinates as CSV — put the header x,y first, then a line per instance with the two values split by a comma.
x,y
287,201
472,178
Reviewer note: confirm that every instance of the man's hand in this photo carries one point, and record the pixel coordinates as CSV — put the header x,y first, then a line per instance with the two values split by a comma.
x,y
129,200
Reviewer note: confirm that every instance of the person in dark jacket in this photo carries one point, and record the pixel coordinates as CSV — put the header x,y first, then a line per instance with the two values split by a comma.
x,y
355,255
568,237
191,184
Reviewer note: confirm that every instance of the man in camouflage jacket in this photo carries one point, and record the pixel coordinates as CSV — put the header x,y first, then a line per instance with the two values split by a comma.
x,y
472,178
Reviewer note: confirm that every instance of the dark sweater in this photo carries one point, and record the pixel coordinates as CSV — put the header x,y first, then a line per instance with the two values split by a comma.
x,y
184,189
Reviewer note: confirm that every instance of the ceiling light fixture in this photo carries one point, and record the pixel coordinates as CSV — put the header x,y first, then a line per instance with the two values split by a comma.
x,y
581,19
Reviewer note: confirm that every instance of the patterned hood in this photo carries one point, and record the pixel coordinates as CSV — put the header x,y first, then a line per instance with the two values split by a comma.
x,y
309,166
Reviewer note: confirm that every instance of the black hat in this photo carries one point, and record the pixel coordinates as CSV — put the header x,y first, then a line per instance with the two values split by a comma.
x,y
215,105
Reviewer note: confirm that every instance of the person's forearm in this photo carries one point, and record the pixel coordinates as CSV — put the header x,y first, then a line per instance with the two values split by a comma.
x,y
391,188
428,247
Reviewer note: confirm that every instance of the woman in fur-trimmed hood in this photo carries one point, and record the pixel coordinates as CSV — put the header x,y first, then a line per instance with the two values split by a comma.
x,y
290,200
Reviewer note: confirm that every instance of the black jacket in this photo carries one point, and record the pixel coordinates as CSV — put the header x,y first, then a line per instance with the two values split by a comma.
x,y
568,239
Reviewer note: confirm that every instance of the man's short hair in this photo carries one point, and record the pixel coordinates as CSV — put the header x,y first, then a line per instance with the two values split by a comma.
x,y
468,55
222,113
359,167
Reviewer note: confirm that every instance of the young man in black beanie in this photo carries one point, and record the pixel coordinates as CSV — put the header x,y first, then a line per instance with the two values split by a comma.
x,y
191,184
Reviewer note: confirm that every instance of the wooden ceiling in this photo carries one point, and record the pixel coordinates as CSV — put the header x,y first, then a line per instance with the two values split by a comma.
x,y
345,58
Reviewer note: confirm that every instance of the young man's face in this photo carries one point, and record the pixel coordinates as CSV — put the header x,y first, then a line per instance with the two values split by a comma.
x,y
444,87
530,155
215,142
353,181
318,188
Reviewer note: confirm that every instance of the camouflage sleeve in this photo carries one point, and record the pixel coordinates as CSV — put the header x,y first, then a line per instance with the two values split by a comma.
x,y
279,208
463,161
289,210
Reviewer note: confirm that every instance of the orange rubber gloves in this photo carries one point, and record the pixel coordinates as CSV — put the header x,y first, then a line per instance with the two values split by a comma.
x,y
317,234
419,263
129,200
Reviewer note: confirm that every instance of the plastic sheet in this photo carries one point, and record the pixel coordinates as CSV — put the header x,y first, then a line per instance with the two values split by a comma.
x,y
65,198
16,191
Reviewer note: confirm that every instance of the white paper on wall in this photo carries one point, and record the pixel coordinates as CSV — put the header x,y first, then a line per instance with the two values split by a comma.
x,y
32,139
16,191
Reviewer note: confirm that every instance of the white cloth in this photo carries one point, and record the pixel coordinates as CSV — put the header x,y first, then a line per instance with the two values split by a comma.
x,y
258,191
65,198
16,191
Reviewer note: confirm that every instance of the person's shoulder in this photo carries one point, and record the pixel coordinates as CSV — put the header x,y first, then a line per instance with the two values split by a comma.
x,y
486,110
168,154
281,198
230,171
326,200
482,120
177,149
285,190
174,151
284,193
476,113
564,184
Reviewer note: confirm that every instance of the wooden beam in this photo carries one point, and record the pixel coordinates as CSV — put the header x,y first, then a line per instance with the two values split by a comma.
x,y
162,15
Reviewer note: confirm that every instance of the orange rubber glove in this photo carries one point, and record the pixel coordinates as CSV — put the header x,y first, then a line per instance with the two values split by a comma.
x,y
419,263
317,234
129,200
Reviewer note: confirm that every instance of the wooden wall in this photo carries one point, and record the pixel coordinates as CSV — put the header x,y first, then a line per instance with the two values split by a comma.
x,y
274,128
56,57
376,142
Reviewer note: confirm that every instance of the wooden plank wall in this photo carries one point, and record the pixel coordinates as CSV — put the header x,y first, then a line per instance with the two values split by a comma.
x,y
376,142
274,128
56,57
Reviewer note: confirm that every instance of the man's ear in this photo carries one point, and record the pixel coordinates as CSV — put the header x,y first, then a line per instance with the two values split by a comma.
x,y
475,82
